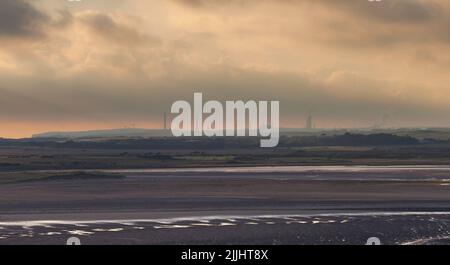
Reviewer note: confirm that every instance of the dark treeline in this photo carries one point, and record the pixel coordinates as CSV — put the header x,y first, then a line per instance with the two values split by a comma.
x,y
347,139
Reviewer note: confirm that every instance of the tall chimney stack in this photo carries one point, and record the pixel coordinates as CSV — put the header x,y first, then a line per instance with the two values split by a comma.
x,y
165,121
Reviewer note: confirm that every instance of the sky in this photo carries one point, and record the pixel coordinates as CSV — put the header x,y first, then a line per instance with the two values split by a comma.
x,y
98,64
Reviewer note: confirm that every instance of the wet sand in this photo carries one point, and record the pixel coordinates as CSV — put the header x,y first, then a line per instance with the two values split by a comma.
x,y
413,196
407,228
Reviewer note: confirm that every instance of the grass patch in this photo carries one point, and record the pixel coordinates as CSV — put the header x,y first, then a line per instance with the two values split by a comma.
x,y
21,177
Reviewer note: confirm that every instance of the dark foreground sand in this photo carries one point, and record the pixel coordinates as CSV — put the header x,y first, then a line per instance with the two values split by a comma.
x,y
409,228
329,207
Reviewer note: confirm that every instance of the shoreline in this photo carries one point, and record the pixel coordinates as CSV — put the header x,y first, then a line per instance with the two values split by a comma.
x,y
179,217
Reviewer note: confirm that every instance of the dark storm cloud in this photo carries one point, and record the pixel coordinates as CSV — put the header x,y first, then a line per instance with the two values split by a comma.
x,y
349,23
114,100
377,24
105,26
20,19
398,11
388,11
